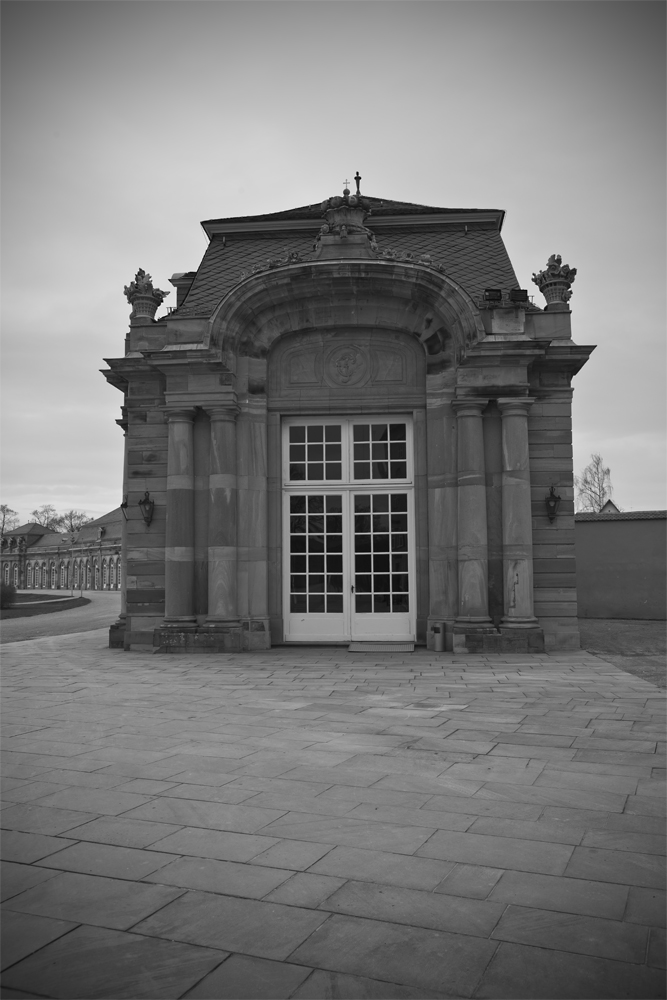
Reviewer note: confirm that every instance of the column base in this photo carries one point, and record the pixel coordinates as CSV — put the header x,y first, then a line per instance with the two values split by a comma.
x,y
471,624
520,623
236,636
503,640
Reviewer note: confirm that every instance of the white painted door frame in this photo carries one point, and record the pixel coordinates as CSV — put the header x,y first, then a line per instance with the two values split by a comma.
x,y
324,579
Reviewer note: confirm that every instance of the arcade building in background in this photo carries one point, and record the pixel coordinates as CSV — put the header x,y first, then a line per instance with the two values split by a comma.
x,y
354,427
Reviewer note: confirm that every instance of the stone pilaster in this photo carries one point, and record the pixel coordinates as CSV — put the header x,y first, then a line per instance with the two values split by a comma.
x,y
117,630
179,548
517,519
222,545
472,529
252,524
442,517
123,537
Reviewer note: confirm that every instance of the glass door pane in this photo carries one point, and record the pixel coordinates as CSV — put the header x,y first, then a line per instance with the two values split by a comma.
x,y
316,606
348,528
382,566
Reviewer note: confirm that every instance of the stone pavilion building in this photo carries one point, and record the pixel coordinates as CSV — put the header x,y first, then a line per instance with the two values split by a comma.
x,y
354,427
35,558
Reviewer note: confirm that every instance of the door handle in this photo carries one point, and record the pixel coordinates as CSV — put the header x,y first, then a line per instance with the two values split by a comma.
x,y
352,588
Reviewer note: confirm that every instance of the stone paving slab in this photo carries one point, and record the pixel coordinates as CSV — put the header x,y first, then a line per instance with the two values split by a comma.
x,y
81,964
317,823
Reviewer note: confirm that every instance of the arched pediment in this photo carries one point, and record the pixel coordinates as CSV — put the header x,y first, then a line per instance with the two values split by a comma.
x,y
334,295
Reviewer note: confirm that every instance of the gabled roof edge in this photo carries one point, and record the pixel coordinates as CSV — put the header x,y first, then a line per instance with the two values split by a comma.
x,y
282,222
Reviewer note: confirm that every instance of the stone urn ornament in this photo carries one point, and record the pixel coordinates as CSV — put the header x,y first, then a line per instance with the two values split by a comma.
x,y
555,283
144,299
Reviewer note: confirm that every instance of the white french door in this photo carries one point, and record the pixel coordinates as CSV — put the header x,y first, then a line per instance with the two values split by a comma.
x,y
348,529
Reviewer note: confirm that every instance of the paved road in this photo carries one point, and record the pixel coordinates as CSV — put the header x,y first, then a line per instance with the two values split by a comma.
x,y
316,823
102,611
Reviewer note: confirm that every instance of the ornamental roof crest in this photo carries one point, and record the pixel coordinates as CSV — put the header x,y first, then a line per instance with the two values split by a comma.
x,y
345,217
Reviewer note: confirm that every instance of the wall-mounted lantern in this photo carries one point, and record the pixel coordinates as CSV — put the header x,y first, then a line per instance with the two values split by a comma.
x,y
123,506
147,506
552,501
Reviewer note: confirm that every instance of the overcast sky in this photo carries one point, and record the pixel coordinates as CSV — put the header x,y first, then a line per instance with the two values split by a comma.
x,y
125,124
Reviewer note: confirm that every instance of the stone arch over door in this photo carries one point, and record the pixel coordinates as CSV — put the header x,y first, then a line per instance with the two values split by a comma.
x,y
328,296
384,331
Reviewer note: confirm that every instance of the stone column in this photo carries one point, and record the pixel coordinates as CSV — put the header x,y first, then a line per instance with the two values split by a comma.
x,y
472,531
179,542
222,544
517,516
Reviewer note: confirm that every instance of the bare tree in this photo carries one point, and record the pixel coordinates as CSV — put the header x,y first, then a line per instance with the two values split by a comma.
x,y
72,520
593,486
47,516
8,518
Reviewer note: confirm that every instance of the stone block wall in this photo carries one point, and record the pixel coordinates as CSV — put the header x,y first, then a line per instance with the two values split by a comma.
x,y
550,443
146,446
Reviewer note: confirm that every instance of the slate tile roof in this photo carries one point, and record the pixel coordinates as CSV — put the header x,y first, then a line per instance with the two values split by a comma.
x,y
30,528
625,515
48,540
224,262
111,522
475,260
40,537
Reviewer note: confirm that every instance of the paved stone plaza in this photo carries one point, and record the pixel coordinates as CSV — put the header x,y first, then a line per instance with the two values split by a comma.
x,y
317,823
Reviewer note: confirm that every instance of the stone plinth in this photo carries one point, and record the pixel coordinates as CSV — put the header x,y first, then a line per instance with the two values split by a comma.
x,y
196,639
502,641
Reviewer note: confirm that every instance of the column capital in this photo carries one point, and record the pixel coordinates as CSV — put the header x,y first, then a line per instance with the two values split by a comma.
x,y
511,406
181,413
469,407
227,412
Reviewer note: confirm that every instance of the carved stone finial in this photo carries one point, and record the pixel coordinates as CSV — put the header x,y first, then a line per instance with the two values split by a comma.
x,y
357,178
555,283
143,297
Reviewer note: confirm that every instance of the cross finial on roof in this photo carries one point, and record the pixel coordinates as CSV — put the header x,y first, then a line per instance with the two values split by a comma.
x,y
347,190
357,178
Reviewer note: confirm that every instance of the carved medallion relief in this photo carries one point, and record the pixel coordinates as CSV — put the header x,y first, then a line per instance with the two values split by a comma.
x,y
344,365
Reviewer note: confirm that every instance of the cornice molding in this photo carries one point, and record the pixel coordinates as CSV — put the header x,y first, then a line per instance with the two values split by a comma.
x,y
220,227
